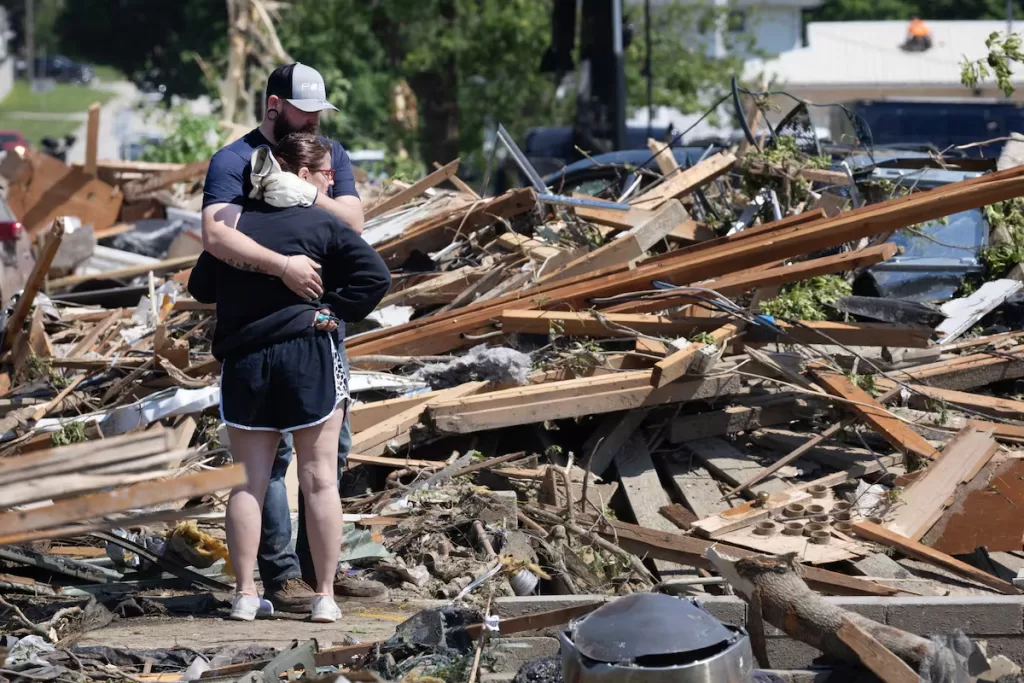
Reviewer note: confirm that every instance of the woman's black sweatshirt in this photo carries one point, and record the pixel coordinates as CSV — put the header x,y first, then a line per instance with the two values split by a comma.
x,y
256,310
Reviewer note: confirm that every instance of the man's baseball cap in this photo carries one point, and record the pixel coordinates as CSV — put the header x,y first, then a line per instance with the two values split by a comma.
x,y
300,85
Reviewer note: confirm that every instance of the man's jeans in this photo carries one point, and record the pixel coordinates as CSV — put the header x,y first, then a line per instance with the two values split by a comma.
x,y
277,561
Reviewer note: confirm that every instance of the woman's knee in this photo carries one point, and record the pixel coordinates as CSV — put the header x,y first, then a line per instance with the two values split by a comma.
x,y
318,476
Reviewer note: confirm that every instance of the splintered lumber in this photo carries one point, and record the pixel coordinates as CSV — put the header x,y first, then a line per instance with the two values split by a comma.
x,y
628,247
416,189
459,183
791,238
875,656
374,440
441,289
925,499
675,365
990,405
684,181
675,547
910,548
731,465
963,372
613,218
490,411
137,189
434,233
92,134
738,283
817,175
731,420
663,156
851,334
695,486
35,280
365,415
644,493
595,324
165,266
117,500
895,431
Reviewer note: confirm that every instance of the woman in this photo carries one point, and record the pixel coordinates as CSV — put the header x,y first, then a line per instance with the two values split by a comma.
x,y
280,365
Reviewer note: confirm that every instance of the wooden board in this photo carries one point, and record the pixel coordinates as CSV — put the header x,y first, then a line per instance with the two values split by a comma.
x,y
419,187
874,656
986,511
16,322
732,465
609,438
896,432
675,365
990,405
43,188
599,325
910,548
646,497
923,501
684,181
695,486
837,550
731,420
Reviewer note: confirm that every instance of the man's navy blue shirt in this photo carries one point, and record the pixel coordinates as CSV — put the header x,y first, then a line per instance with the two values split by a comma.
x,y
227,179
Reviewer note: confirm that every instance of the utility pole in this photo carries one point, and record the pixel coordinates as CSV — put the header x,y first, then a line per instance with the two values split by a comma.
x,y
30,42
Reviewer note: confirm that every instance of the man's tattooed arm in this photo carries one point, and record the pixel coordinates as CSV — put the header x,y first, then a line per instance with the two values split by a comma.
x,y
249,267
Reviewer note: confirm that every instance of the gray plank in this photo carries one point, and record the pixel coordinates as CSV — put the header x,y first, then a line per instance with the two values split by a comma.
x,y
732,465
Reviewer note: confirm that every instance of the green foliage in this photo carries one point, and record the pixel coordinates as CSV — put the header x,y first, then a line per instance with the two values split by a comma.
x,y
1000,258
1003,52
807,299
63,99
72,432
703,338
39,368
786,154
865,382
194,138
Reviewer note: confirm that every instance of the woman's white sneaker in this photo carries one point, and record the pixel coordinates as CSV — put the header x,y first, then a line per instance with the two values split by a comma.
x,y
325,610
247,607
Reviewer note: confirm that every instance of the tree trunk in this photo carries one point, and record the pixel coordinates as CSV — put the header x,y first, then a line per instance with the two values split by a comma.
x,y
239,12
788,604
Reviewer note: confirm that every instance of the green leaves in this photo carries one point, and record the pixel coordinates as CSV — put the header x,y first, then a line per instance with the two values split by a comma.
x,y
1003,52
194,138
807,299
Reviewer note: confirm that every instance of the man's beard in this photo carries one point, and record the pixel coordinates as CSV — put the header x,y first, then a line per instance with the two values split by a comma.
x,y
283,128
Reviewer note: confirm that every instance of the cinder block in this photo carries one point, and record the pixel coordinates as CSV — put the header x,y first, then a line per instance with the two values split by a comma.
x,y
727,609
508,654
1009,646
974,615
786,653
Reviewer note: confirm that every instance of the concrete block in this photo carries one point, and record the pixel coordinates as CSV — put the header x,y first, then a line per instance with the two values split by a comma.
x,y
974,615
502,511
1010,647
727,609
508,654
881,566
872,608
786,653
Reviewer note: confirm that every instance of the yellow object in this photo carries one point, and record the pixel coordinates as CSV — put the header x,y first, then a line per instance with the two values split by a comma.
x,y
200,548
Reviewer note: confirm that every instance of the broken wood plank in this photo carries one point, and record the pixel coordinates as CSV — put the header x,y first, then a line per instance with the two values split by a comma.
x,y
898,434
695,486
732,465
441,289
874,656
963,373
92,134
613,218
644,494
416,189
459,183
684,181
165,266
19,315
990,405
626,248
118,500
44,188
594,324
675,365
925,499
910,548
540,410
663,156
137,189
733,419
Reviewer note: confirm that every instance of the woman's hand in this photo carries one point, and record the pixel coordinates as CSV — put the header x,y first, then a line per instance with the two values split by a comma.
x,y
325,321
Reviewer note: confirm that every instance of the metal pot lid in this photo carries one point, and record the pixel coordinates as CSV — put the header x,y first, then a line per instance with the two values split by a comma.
x,y
646,624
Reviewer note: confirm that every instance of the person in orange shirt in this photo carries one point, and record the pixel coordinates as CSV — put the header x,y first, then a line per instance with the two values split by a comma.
x,y
919,36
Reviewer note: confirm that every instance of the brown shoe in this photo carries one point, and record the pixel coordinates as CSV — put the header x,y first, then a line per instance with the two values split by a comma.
x,y
294,595
351,587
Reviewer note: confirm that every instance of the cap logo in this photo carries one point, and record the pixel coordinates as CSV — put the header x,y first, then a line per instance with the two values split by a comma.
x,y
309,86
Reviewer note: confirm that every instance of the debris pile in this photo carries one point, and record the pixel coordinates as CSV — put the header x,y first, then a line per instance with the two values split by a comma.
x,y
562,394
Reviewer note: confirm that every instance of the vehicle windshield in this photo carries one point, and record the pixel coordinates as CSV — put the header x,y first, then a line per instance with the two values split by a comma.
x,y
9,137
959,236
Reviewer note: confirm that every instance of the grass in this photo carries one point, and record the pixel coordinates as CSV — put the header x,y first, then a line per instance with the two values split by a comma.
x,y
108,74
63,99
35,130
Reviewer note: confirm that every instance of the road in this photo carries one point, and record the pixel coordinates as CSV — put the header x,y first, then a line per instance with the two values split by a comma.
x,y
119,120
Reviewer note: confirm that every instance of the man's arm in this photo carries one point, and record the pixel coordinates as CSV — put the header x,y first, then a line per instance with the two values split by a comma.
x,y
347,208
227,244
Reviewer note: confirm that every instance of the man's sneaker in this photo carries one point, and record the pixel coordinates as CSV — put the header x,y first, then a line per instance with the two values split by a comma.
x,y
351,587
324,609
291,596
247,607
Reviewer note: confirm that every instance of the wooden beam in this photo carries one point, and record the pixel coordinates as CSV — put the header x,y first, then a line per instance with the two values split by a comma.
x,y
852,334
609,438
19,315
684,181
924,501
613,218
459,183
416,189
117,500
138,189
874,656
910,548
599,325
965,372
675,365
990,405
165,266
663,156
92,134
896,432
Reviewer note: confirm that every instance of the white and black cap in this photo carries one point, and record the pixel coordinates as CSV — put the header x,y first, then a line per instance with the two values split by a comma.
x,y
301,85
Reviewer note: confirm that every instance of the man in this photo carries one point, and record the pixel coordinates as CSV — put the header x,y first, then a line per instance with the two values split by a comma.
x,y
295,96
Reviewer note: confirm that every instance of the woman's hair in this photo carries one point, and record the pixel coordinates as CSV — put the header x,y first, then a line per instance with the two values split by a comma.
x,y
296,150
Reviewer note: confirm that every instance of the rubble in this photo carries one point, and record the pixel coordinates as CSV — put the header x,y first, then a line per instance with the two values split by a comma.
x,y
559,396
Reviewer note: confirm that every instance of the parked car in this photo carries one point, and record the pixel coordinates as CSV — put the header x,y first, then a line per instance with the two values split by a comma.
x,y
12,140
60,68
614,172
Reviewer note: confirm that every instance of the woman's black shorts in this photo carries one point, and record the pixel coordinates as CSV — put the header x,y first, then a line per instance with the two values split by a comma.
x,y
290,385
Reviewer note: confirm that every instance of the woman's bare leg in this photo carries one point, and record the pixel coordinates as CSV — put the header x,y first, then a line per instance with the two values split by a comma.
x,y
316,449
255,450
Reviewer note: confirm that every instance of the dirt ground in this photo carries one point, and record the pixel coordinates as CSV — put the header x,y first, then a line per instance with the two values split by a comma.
x,y
362,621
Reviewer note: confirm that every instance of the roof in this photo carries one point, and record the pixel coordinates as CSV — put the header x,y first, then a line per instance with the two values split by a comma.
x,y
867,53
